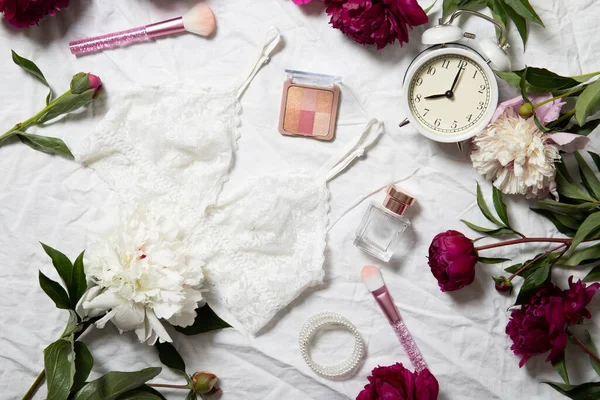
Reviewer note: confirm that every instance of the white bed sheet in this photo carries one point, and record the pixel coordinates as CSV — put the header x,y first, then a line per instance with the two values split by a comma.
x,y
58,202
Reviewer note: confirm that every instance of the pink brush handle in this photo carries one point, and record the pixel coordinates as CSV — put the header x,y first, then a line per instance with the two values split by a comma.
x,y
410,347
112,40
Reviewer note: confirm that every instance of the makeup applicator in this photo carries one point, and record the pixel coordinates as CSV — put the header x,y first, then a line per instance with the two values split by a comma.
x,y
371,277
199,20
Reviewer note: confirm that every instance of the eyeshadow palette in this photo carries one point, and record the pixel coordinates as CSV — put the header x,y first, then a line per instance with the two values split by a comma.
x,y
309,109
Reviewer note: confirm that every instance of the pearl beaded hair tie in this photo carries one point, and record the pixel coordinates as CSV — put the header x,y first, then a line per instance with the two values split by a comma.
x,y
316,323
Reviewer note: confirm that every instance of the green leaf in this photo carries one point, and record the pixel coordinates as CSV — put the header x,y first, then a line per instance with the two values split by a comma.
x,y
83,365
66,104
593,275
170,357
46,144
484,208
72,325
206,320
586,129
591,183
534,281
588,102
596,158
79,281
567,188
80,83
560,366
514,79
191,395
524,9
590,344
491,260
586,391
565,207
61,263
543,78
500,206
583,256
430,7
56,292
144,392
589,226
448,7
518,20
59,369
563,223
114,384
488,231
30,67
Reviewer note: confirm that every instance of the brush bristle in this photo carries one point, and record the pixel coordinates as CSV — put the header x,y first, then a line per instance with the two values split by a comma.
x,y
371,277
200,20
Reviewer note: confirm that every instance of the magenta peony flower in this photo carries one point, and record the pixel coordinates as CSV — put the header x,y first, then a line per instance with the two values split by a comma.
x,y
397,383
541,324
452,259
23,13
378,22
576,298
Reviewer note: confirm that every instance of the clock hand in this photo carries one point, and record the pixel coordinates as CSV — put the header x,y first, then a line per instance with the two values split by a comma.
x,y
455,81
436,96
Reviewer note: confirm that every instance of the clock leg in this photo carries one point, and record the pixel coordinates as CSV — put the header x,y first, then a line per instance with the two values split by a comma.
x,y
404,123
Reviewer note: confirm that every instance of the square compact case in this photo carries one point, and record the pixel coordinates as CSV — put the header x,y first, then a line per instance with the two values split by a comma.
x,y
309,105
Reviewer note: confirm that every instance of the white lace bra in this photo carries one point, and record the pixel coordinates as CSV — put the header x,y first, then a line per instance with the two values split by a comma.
x,y
262,243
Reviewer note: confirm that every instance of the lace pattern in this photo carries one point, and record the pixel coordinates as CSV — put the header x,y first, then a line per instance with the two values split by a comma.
x,y
263,244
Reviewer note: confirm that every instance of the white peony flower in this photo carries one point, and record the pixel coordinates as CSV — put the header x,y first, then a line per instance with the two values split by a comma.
x,y
516,155
140,274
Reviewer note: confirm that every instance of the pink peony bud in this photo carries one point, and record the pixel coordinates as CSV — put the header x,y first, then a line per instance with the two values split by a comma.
x,y
452,259
95,83
204,383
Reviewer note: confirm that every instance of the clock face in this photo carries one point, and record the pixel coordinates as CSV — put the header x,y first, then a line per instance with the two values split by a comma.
x,y
451,95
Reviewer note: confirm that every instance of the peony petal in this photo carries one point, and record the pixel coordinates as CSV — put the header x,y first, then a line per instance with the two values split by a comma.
x,y
514,103
157,327
569,142
106,301
548,112
89,294
128,316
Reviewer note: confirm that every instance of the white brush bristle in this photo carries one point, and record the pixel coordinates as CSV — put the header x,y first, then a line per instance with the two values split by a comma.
x,y
371,277
199,20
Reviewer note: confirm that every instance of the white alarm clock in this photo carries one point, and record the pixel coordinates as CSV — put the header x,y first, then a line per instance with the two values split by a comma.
x,y
450,92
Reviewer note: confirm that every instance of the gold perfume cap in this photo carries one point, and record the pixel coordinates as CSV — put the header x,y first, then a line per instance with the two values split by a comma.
x,y
397,201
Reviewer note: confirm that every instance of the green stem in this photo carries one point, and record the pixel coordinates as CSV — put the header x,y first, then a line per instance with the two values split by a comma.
x,y
31,121
524,240
570,93
583,346
40,379
535,259
568,115
164,385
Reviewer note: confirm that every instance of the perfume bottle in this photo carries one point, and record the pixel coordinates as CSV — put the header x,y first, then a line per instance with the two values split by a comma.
x,y
382,227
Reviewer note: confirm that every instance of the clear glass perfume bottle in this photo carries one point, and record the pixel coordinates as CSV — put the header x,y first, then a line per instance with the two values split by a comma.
x,y
381,229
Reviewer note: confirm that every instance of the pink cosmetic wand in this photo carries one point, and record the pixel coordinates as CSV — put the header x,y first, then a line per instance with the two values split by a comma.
x,y
371,277
199,20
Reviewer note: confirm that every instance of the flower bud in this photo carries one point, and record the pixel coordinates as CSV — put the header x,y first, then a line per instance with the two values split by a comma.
x,y
503,284
83,82
452,259
526,110
204,383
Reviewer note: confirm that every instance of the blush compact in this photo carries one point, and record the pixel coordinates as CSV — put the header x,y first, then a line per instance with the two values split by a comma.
x,y
309,105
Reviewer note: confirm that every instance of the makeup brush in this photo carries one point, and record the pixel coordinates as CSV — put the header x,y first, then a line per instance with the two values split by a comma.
x,y
371,277
199,20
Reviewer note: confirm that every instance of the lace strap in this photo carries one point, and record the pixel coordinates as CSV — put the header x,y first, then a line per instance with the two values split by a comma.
x,y
271,42
356,149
